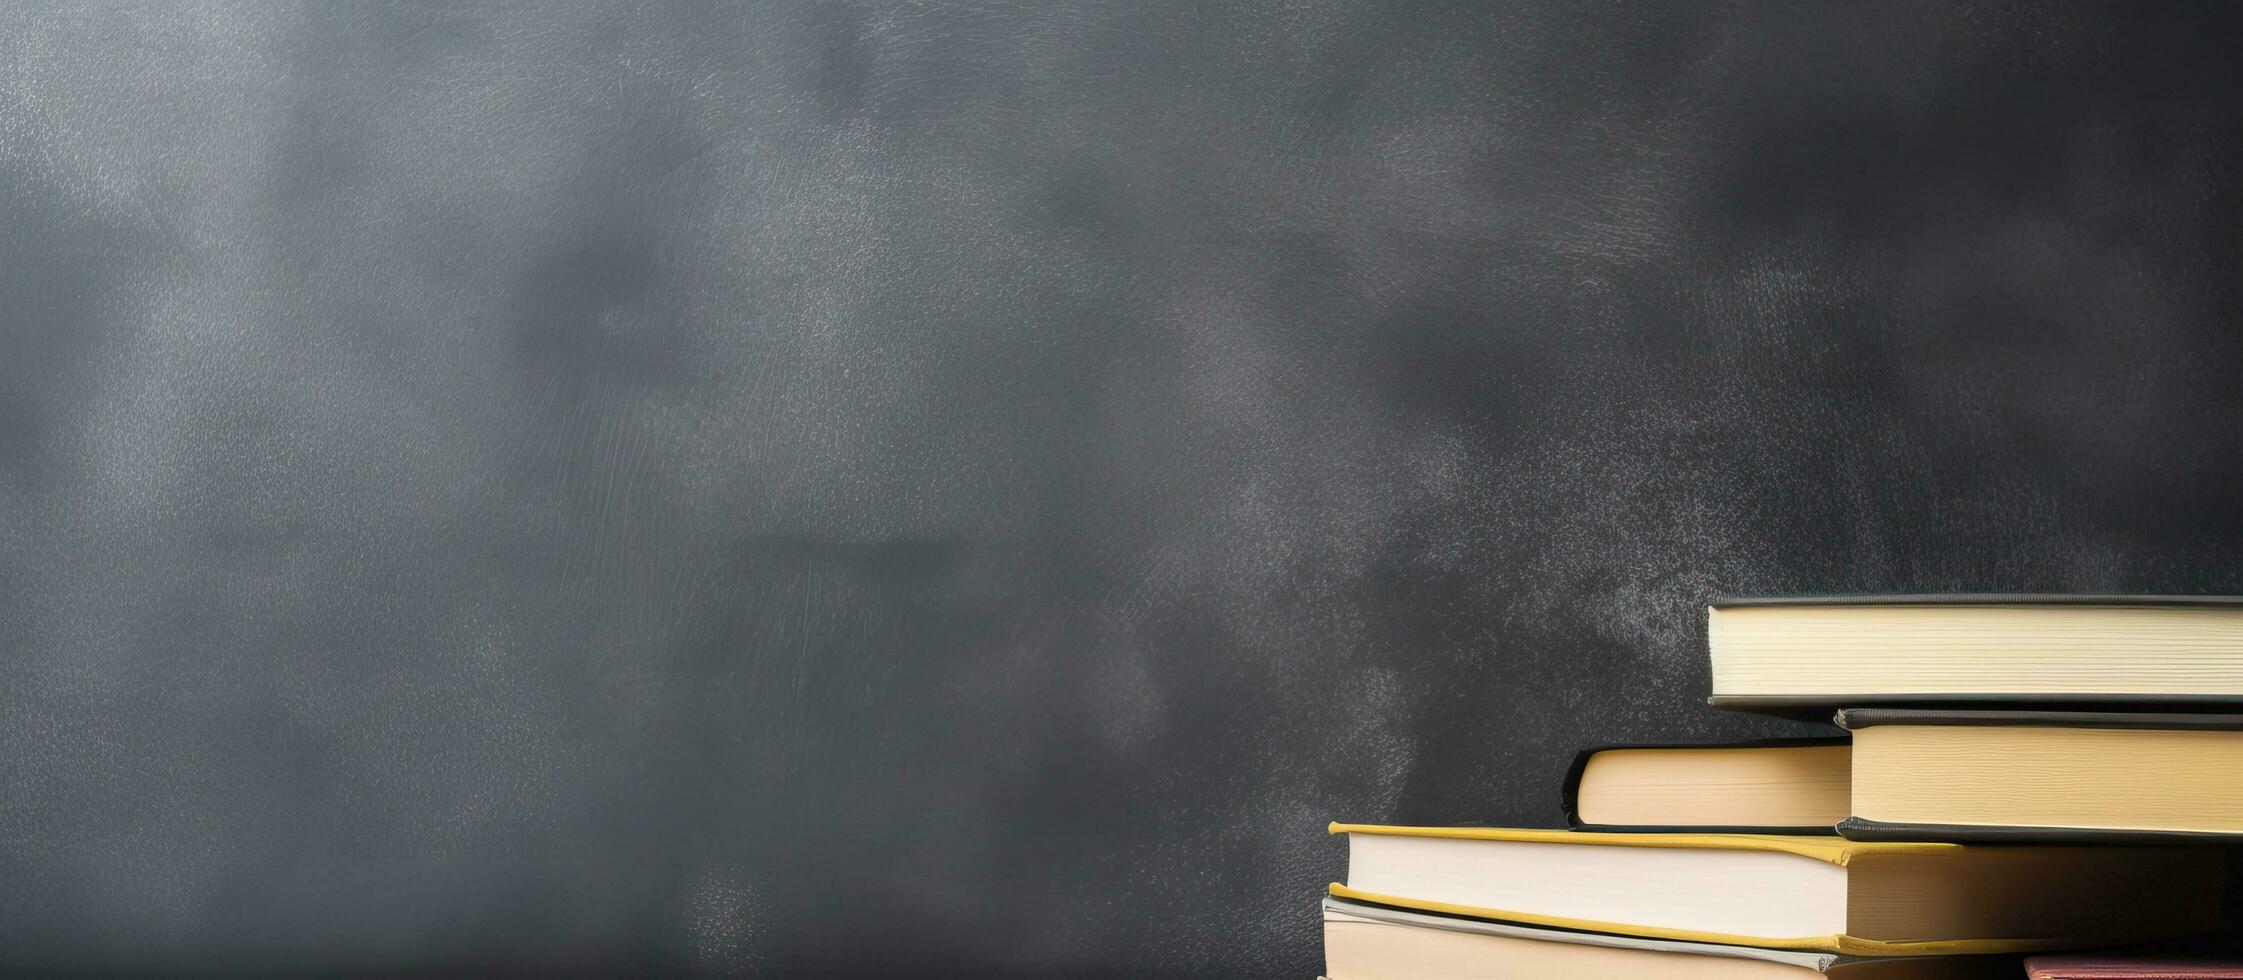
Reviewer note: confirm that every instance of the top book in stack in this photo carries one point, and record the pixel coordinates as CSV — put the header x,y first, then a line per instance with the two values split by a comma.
x,y
1808,655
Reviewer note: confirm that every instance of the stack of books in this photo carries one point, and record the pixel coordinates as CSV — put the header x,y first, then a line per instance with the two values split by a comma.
x,y
2008,775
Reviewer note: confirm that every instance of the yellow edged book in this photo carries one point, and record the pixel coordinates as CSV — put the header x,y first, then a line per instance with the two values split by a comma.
x,y
1367,942
1805,893
2045,777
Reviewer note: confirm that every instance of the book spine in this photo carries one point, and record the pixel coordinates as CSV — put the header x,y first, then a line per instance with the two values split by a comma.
x,y
1569,791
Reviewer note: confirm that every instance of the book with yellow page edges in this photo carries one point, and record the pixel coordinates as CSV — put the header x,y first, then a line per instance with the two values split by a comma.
x,y
2045,777
1805,893
1368,942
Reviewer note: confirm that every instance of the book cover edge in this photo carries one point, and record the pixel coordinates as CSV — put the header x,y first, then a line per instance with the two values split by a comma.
x,y
1883,832
1973,599
1855,719
1820,846
1821,708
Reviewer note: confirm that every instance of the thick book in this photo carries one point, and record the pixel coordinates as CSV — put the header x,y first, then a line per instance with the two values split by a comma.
x,y
1370,942
2045,776
1812,893
1773,786
2131,966
1806,655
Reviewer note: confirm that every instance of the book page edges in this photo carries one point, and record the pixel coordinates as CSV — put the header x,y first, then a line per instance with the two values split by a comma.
x,y
1830,850
1343,911
1841,944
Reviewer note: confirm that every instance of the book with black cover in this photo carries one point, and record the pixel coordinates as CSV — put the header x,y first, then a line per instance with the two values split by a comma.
x,y
2045,777
1569,792
1803,656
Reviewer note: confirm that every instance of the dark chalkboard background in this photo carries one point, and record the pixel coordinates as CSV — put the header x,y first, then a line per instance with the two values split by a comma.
x,y
974,487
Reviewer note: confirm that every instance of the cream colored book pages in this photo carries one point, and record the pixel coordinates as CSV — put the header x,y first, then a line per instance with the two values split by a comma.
x,y
2118,779
1684,889
1364,950
1789,786
1336,910
1522,951
1808,650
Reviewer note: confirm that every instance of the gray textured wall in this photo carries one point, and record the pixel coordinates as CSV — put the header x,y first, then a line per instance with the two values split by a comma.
x,y
973,487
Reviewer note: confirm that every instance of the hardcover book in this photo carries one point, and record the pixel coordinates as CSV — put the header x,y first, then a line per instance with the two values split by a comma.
x,y
1775,786
2044,776
1806,654
1369,942
1813,893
